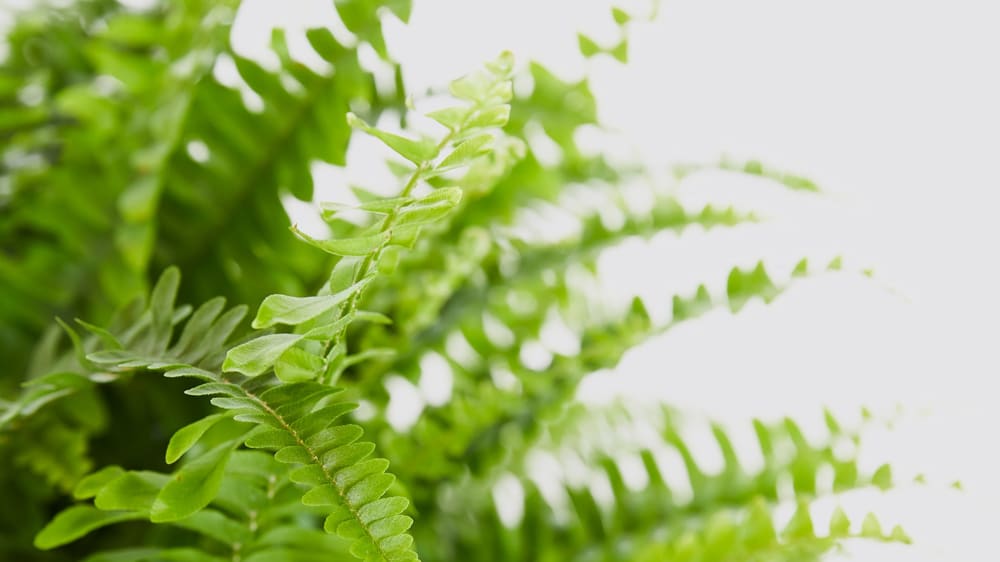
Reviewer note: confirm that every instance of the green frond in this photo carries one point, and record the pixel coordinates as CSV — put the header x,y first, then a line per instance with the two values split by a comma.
x,y
429,309
253,513
143,329
182,498
452,271
753,168
48,432
753,535
298,421
664,513
470,430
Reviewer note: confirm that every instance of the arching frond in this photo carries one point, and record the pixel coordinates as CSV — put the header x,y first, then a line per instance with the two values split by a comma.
x,y
672,514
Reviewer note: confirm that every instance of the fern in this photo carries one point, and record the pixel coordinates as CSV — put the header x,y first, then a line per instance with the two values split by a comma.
x,y
297,419
155,431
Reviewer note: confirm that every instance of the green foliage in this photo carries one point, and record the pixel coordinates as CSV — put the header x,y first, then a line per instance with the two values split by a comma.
x,y
659,521
142,92
156,430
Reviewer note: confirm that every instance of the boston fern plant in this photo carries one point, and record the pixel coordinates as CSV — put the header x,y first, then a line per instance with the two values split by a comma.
x,y
160,431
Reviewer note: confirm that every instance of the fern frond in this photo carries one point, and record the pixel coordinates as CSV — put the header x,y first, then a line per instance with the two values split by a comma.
x,y
334,451
534,261
467,430
753,168
253,514
510,181
753,535
586,526
141,330
336,467
299,421
294,419
459,270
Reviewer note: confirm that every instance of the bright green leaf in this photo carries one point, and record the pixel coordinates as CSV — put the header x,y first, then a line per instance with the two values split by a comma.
x,y
496,116
451,117
416,151
871,527
186,437
298,365
76,522
466,152
503,65
840,525
369,489
620,51
359,246
379,206
256,356
283,309
472,87
192,487
325,44
588,47
132,491
91,484
621,16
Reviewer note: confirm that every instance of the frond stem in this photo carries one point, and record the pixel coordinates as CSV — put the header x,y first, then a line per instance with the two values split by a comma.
x,y
372,258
